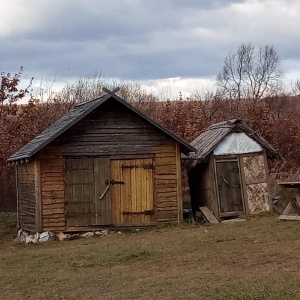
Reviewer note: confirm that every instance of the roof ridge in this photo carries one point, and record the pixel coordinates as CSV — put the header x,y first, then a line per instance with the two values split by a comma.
x,y
88,101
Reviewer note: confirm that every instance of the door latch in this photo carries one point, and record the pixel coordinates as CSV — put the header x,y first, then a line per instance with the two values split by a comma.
x,y
116,182
107,182
103,194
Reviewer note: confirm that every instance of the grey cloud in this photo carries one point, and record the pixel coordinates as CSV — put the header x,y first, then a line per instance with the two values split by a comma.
x,y
140,40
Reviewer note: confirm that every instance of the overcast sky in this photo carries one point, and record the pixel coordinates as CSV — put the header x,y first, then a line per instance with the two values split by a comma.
x,y
178,45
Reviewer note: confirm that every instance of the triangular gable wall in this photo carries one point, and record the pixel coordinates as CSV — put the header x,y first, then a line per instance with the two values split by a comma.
x,y
237,143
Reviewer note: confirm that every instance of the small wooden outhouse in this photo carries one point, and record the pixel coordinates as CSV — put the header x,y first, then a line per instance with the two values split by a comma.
x,y
104,163
229,171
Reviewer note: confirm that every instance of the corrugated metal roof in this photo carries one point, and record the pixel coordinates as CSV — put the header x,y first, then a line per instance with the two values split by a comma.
x,y
75,115
210,138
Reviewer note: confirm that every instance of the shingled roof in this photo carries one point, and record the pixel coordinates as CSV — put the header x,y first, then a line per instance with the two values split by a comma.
x,y
210,138
75,115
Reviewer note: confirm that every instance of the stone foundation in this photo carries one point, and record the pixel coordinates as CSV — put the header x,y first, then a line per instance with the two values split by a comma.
x,y
26,237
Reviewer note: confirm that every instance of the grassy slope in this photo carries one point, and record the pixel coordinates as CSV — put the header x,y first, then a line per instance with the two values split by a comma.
x,y
257,259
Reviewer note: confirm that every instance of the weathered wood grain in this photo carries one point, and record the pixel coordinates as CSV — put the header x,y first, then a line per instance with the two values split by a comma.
x,y
168,184
131,199
229,187
131,143
179,184
26,196
112,131
52,186
102,189
85,184
208,215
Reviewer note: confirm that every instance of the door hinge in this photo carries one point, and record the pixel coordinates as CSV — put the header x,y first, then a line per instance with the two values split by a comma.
x,y
145,167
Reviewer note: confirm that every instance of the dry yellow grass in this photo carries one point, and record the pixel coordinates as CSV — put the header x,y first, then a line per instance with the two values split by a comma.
x,y
256,259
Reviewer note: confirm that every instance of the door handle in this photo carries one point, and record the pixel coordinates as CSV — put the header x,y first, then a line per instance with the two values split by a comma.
x,y
116,182
105,191
107,182
225,181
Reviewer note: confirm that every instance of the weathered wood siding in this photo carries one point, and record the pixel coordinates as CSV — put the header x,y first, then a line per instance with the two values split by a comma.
x,y
168,200
132,198
87,193
229,187
52,188
253,179
112,130
26,196
200,181
80,192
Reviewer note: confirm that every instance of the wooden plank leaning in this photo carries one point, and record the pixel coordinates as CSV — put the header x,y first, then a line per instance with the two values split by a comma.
x,y
208,215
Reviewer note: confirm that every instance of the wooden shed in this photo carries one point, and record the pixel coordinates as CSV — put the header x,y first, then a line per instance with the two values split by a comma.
x,y
104,163
229,171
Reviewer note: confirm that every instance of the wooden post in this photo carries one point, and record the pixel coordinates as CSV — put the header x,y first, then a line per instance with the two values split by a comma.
x,y
243,184
179,184
267,180
17,186
38,195
214,187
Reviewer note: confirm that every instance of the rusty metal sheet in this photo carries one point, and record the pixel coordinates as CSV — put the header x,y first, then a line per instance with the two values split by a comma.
x,y
254,169
258,199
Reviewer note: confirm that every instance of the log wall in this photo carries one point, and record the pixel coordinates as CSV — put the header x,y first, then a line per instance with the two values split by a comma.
x,y
167,176
26,191
112,130
52,188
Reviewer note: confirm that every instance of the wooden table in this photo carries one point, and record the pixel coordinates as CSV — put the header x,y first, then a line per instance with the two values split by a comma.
x,y
293,200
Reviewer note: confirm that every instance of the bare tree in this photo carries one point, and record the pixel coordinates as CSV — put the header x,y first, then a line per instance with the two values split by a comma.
x,y
249,72
296,87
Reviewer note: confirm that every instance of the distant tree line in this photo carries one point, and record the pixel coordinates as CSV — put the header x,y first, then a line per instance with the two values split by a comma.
x,y
248,86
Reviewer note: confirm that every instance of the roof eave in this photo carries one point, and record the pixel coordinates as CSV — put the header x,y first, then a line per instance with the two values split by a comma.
x,y
59,132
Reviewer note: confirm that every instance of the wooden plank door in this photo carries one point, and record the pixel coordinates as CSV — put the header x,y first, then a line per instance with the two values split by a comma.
x,y
132,193
102,191
86,180
229,188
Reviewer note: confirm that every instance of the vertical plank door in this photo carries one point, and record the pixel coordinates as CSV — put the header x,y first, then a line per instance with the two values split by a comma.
x,y
86,180
102,191
229,188
132,192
